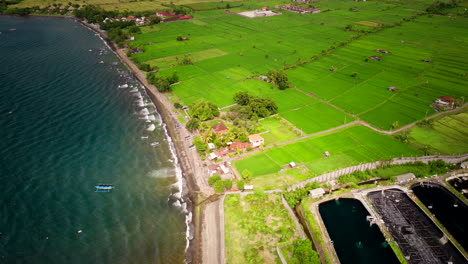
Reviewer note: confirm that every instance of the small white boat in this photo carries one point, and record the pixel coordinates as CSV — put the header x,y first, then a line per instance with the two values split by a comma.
x,y
154,144
144,137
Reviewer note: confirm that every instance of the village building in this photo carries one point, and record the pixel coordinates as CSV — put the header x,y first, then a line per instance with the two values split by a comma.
x,y
299,9
165,14
383,51
220,128
239,146
303,1
222,152
256,140
445,102
211,146
393,89
404,178
326,154
248,187
376,58
464,165
316,193
212,156
71,8
292,164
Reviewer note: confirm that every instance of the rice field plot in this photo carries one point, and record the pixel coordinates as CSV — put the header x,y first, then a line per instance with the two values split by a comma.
x,y
278,130
254,225
447,135
317,117
347,147
257,165
418,83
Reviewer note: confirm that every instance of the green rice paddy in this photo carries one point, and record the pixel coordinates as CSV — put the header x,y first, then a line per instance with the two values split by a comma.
x,y
347,147
334,81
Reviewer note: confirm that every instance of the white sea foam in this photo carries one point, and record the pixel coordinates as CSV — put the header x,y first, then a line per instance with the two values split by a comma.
x,y
144,111
151,127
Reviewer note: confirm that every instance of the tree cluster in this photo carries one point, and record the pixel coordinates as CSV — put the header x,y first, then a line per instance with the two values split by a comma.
x,y
254,107
162,83
218,184
438,7
304,253
279,79
204,110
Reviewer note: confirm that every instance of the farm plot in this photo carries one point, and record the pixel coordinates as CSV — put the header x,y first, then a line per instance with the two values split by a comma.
x,y
447,135
254,225
278,130
316,118
359,85
347,147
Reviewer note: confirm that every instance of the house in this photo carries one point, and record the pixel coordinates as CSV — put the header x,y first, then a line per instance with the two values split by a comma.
x,y
376,58
265,8
464,165
326,154
222,152
239,146
220,128
316,193
52,8
248,187
447,101
71,8
292,164
383,51
211,146
405,178
212,156
393,89
165,14
256,140
303,1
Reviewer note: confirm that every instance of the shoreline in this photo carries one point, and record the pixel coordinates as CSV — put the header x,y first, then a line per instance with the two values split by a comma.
x,y
190,191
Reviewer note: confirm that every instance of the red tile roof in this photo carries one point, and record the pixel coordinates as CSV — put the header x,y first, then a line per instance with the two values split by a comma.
x,y
220,128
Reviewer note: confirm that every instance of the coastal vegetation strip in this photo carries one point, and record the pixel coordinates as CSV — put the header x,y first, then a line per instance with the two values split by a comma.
x,y
254,225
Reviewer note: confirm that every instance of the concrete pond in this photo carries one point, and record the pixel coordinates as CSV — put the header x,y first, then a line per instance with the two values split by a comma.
x,y
354,238
446,207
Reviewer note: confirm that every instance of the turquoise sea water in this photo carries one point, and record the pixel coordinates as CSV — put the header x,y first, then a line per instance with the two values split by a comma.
x,y
65,126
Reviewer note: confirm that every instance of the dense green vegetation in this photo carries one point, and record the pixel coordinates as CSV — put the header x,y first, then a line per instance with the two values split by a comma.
x,y
254,225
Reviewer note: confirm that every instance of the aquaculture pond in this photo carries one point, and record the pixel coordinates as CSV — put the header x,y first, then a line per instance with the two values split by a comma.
x,y
446,207
354,239
419,239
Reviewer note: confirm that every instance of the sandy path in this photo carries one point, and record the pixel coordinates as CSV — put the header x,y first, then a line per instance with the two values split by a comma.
x,y
212,241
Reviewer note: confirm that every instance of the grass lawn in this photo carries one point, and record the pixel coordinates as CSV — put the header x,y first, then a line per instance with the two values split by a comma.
x,y
254,225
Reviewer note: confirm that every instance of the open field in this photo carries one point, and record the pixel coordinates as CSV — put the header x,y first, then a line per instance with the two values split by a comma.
x,y
126,5
448,135
419,83
254,225
347,147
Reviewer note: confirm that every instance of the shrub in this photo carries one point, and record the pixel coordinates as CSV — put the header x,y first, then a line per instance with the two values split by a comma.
x,y
219,186
214,179
240,184
228,184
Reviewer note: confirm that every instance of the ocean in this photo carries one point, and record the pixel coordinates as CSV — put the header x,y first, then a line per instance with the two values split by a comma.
x,y
71,117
